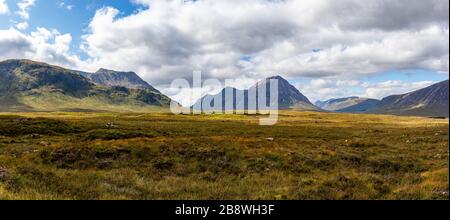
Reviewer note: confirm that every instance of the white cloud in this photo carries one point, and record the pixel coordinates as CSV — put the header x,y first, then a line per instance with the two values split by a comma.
x,y
326,40
325,89
362,52
392,87
42,45
173,38
3,7
22,25
24,7
347,82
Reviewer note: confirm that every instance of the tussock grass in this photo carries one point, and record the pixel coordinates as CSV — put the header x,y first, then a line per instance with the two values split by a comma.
x,y
63,155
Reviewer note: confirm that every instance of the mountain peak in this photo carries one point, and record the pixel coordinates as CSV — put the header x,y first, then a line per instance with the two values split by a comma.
x,y
102,70
108,77
109,71
276,77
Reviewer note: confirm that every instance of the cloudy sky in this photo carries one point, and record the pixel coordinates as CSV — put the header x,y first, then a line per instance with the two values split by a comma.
x,y
326,48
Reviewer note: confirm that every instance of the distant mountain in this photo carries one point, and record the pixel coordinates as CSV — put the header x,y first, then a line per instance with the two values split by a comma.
x,y
26,85
334,104
429,101
349,104
364,105
113,78
288,97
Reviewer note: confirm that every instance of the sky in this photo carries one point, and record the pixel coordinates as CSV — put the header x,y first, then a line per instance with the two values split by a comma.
x,y
326,48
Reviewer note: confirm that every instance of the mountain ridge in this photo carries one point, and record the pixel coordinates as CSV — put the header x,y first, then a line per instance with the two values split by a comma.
x,y
429,101
352,104
108,77
27,85
288,97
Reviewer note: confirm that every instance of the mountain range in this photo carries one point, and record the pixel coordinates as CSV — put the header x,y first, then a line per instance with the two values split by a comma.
x,y
430,101
350,104
27,85
288,97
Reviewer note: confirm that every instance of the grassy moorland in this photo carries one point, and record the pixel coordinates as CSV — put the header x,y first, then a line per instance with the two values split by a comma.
x,y
163,156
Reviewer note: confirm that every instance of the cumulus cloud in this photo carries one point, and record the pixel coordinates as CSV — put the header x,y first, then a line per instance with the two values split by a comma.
x,y
299,38
385,15
3,7
22,25
42,44
24,7
324,89
320,39
392,87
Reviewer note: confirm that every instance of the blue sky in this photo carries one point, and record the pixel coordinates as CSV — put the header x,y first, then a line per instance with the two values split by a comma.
x,y
327,52
66,16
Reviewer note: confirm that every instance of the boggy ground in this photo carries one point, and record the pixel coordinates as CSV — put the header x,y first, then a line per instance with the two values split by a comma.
x,y
162,156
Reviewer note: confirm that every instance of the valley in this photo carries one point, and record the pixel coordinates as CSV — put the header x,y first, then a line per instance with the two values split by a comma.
x,y
157,155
